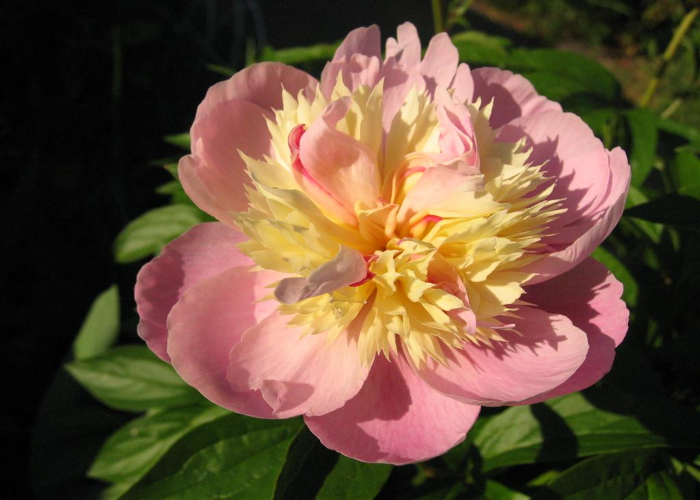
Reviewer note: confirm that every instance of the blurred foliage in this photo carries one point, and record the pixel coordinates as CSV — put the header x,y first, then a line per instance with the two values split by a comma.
x,y
636,434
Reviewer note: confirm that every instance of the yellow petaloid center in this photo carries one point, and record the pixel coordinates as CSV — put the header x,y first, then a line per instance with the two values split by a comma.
x,y
442,270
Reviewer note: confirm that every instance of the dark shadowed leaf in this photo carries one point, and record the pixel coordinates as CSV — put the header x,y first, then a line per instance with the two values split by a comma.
x,y
300,55
353,480
132,378
631,289
643,133
637,475
605,420
685,173
674,209
231,457
101,326
306,466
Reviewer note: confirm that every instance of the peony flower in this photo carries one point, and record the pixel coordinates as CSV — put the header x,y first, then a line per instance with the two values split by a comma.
x,y
397,245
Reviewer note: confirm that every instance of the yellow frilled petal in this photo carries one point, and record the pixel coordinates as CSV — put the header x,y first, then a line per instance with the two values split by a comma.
x,y
439,273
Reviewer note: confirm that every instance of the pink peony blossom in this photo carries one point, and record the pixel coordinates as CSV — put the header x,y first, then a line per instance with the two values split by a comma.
x,y
397,245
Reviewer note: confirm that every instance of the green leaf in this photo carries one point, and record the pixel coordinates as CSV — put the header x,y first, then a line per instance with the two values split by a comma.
x,y
480,49
131,452
132,378
573,426
684,171
180,140
498,491
101,326
674,209
176,192
353,480
637,197
631,475
231,457
149,233
300,55
644,136
558,74
631,289
306,466
691,134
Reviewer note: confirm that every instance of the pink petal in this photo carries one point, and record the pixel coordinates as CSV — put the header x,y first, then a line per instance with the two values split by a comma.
x,y
589,295
396,418
463,84
342,169
198,192
405,49
217,139
356,70
259,84
438,187
346,268
365,41
202,252
456,130
549,350
589,232
207,322
513,96
297,374
440,62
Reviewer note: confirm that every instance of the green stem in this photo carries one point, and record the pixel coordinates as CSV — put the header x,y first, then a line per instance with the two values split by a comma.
x,y
678,36
437,16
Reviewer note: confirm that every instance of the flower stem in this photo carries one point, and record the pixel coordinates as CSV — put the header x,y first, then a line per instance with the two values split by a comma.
x,y
437,16
668,55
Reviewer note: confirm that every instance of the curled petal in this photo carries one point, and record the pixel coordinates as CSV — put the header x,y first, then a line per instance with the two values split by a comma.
x,y
512,95
339,171
589,295
396,418
232,127
547,352
405,48
440,62
205,324
344,269
296,374
260,84
202,252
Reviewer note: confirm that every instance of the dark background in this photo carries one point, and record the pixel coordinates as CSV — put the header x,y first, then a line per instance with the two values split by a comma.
x,y
89,89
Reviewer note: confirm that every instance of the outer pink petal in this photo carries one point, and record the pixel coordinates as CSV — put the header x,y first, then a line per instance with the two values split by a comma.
x,y
217,139
405,49
259,84
589,295
463,84
198,192
549,350
513,96
356,70
396,418
298,374
342,167
202,252
207,322
585,235
365,41
440,62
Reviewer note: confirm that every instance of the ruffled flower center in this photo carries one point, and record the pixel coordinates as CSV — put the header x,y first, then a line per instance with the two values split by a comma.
x,y
415,236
